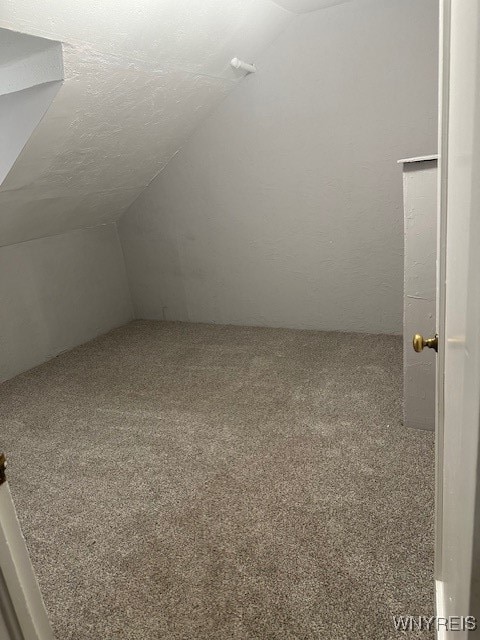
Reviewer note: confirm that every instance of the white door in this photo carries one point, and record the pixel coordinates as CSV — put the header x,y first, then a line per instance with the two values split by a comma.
x,y
22,612
458,486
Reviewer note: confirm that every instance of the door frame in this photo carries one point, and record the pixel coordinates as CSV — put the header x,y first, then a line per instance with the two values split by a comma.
x,y
442,193
457,461
22,611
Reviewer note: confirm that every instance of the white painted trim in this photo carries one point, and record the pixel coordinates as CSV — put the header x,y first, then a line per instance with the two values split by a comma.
x,y
443,112
20,591
418,159
440,607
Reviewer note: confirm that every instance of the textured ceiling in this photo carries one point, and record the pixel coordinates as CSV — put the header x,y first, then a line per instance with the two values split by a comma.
x,y
139,78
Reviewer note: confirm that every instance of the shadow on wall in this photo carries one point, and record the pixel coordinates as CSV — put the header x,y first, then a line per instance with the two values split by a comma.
x,y
31,75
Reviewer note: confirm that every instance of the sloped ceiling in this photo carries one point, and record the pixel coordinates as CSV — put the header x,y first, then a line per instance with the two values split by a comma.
x,y
305,6
139,77
30,77
26,61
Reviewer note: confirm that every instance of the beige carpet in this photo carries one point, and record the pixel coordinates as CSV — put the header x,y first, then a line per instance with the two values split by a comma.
x,y
196,482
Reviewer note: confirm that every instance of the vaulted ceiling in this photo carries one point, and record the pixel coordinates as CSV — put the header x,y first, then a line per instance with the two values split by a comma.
x,y
139,78
305,6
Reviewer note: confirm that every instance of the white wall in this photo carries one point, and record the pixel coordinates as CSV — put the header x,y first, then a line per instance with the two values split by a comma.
x,y
27,61
285,207
303,6
419,315
139,78
58,292
31,75
20,113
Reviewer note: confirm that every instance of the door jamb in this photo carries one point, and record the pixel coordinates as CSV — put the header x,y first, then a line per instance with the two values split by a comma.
x,y
442,192
22,611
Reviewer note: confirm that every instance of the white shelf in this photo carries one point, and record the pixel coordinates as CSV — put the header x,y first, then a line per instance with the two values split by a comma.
x,y
418,159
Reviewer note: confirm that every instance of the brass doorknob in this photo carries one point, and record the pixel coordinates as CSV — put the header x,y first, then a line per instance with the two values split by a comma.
x,y
419,343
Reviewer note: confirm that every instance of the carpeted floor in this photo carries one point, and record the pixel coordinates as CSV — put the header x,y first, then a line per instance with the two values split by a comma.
x,y
195,482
